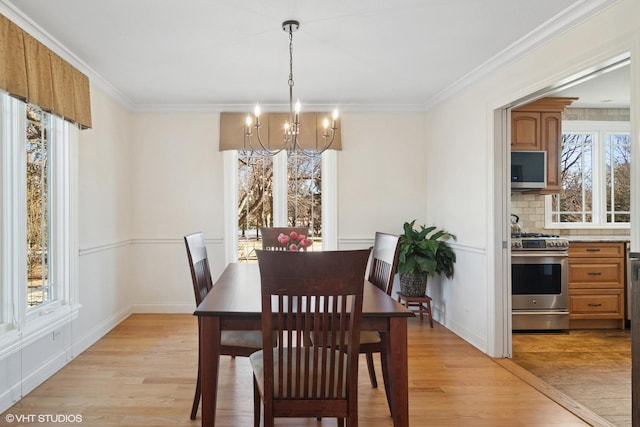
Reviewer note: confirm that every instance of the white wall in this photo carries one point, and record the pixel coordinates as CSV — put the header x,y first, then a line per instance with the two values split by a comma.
x,y
105,207
177,188
460,165
382,175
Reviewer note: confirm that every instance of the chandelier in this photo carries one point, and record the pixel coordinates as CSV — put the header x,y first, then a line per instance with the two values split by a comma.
x,y
291,130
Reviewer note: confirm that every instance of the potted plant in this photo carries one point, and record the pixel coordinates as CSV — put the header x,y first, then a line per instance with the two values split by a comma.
x,y
423,253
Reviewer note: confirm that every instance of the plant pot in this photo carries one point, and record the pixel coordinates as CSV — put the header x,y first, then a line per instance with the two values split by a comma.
x,y
413,284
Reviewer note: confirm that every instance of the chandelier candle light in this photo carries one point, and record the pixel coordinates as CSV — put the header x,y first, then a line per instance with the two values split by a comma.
x,y
290,140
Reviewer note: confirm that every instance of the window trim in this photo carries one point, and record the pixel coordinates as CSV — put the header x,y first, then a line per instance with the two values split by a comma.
x,y
599,128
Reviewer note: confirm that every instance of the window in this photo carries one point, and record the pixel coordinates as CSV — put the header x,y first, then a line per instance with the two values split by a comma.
x,y
286,190
595,172
283,190
36,233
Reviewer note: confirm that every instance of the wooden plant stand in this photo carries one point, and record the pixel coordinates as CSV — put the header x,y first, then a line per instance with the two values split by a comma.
x,y
422,303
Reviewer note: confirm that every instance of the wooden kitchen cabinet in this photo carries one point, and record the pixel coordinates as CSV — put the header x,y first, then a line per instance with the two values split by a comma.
x,y
538,127
596,284
525,131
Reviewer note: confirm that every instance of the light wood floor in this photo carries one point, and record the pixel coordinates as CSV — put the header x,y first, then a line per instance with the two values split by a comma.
x,y
591,366
143,373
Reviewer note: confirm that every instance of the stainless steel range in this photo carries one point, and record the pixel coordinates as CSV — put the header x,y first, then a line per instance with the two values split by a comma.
x,y
539,282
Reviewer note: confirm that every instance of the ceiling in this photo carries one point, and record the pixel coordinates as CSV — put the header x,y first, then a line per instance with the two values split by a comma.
x,y
353,54
608,90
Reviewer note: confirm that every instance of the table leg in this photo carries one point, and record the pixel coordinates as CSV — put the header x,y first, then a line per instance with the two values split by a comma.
x,y
210,357
384,336
398,365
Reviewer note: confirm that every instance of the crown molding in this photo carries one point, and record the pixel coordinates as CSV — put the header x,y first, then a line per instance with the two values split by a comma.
x,y
274,108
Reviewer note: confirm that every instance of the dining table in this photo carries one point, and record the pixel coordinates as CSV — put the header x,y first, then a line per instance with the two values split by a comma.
x,y
234,303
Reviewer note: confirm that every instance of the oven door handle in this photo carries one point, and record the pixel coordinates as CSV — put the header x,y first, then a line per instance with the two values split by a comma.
x,y
538,254
542,311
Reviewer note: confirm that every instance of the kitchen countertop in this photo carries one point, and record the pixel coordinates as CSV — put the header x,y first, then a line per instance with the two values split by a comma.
x,y
597,238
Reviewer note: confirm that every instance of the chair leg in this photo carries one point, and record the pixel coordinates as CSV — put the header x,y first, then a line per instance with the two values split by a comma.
x,y
256,404
372,371
196,398
429,313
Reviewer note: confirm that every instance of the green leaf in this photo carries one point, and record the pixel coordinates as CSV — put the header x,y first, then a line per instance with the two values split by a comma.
x,y
425,251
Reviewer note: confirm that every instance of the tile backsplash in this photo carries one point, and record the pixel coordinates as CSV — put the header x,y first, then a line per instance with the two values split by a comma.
x,y
530,208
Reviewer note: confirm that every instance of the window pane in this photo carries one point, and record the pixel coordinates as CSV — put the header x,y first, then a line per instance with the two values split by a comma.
x,y
618,177
576,194
38,290
255,201
304,190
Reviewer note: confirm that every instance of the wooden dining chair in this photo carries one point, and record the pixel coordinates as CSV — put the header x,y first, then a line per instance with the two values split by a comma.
x,y
384,261
270,237
232,343
319,294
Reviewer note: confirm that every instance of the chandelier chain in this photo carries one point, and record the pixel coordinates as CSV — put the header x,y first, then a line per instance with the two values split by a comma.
x,y
290,58
290,82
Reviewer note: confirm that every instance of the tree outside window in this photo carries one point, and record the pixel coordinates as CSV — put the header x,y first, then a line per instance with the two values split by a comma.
x,y
618,177
595,171
37,186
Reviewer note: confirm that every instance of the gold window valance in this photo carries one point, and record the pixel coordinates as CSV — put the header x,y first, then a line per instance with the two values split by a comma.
x,y
35,74
232,129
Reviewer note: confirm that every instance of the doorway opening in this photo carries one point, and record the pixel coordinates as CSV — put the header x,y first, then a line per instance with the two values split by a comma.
x,y
600,91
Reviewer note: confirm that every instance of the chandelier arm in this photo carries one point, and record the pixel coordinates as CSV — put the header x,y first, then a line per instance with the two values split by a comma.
x,y
262,148
327,145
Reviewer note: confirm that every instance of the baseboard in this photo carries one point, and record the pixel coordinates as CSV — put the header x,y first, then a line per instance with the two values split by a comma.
x,y
468,335
100,331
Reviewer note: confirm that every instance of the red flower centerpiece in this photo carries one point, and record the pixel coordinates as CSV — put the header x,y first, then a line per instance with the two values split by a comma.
x,y
294,241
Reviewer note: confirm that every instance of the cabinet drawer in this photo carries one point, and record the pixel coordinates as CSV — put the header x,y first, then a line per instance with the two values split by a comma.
x,y
596,249
599,304
596,273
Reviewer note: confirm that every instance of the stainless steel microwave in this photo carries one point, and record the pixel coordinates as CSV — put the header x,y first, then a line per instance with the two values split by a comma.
x,y
528,170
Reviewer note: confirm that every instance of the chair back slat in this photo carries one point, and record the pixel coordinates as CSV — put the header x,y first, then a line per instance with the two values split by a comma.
x,y
270,237
199,265
384,261
304,294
